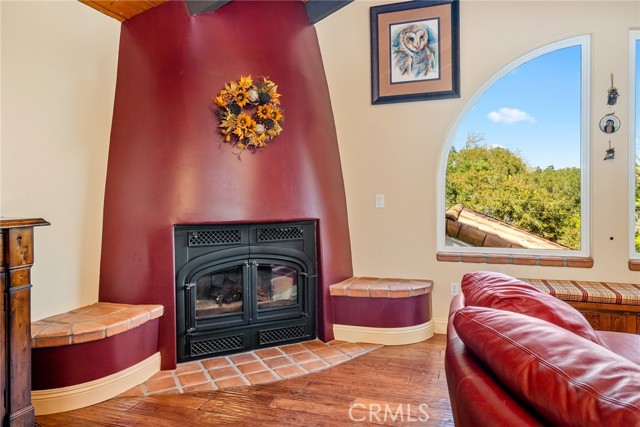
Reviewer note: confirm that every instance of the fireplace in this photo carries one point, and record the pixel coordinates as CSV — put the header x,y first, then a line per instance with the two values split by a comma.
x,y
241,287
169,166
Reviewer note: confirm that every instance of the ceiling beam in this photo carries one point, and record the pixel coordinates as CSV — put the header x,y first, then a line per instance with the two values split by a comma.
x,y
317,10
125,9
196,7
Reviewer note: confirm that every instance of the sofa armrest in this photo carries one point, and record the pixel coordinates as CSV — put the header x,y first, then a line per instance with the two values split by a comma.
x,y
476,398
457,303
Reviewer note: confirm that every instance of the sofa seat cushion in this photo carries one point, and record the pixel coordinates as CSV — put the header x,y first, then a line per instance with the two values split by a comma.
x,y
568,380
624,344
496,290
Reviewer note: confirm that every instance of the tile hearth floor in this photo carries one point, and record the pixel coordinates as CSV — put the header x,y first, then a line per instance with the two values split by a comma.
x,y
253,367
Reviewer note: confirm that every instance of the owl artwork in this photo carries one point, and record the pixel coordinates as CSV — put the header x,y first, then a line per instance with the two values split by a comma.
x,y
414,53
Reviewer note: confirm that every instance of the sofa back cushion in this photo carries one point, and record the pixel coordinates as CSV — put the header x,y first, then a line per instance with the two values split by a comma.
x,y
568,380
496,290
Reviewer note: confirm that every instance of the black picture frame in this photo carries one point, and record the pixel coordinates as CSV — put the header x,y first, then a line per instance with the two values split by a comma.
x,y
415,51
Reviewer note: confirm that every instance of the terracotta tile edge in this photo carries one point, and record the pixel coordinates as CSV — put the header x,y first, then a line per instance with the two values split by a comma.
x,y
143,314
396,288
547,261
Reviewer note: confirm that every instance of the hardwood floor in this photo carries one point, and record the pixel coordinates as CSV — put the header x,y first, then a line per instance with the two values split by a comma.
x,y
394,385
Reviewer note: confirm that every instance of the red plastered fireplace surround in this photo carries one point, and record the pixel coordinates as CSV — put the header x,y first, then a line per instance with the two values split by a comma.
x,y
167,162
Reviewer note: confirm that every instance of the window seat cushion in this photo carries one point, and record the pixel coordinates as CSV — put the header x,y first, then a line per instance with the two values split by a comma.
x,y
588,291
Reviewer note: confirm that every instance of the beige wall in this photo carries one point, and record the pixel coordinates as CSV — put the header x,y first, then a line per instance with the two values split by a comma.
x,y
58,78
396,149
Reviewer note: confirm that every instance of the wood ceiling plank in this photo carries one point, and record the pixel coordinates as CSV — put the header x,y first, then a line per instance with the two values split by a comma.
x,y
138,5
102,9
122,9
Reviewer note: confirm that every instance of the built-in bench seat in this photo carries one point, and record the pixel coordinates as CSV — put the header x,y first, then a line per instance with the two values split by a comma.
x,y
90,323
375,287
93,353
382,310
608,306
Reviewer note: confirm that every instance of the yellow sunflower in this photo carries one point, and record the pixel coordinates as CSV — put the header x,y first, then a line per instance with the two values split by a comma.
x,y
275,114
242,98
244,124
263,111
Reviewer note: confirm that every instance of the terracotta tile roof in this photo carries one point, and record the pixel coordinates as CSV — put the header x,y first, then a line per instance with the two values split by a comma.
x,y
479,230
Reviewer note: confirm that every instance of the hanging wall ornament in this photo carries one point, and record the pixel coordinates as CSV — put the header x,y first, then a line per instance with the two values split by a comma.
x,y
612,97
250,112
610,123
611,152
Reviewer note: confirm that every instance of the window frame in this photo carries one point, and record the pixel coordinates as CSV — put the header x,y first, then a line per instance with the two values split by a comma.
x,y
584,41
634,37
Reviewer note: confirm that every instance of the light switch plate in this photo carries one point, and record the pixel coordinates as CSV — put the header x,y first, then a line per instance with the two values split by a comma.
x,y
379,200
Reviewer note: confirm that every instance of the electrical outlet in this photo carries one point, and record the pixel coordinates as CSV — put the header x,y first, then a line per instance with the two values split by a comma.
x,y
379,200
455,288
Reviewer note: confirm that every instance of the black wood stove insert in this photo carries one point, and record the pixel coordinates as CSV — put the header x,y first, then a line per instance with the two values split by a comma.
x,y
241,287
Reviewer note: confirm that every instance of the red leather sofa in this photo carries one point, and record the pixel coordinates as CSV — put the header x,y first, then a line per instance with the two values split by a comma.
x,y
519,357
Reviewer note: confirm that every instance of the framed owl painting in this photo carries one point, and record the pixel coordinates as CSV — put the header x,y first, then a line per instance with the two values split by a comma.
x,y
415,51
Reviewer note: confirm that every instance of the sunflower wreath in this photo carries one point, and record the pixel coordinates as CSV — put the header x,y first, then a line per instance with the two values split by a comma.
x,y
250,112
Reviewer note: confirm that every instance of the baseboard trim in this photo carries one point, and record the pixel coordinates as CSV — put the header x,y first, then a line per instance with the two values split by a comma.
x,y
440,326
386,336
78,396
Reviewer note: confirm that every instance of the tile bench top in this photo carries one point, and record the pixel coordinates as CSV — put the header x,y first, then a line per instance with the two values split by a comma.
x,y
375,287
91,323
586,291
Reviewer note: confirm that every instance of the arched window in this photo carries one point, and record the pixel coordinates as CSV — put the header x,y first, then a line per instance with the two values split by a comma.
x,y
514,170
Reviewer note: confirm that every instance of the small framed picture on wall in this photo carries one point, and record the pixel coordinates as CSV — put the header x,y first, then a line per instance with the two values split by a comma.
x,y
415,51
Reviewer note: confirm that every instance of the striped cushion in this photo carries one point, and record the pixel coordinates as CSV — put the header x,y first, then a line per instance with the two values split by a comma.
x,y
583,291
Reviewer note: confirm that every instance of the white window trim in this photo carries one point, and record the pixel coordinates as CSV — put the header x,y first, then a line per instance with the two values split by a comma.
x,y
633,102
585,219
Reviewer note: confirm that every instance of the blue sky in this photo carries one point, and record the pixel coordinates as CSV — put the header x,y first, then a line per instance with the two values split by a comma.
x,y
533,110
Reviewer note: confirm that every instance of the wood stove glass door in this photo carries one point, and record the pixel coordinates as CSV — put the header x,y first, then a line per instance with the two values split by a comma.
x,y
279,288
219,296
